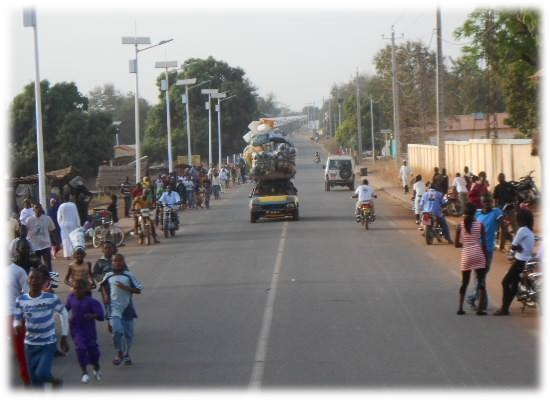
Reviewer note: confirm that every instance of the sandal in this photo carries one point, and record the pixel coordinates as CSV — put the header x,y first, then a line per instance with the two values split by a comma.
x,y
460,312
117,360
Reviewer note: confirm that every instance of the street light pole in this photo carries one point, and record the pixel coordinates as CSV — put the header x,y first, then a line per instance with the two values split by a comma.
x,y
209,92
29,20
135,40
219,110
166,87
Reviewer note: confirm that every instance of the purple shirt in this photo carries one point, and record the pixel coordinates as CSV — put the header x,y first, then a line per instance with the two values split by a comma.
x,y
83,330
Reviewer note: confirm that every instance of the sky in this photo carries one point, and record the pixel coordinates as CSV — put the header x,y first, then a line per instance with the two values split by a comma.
x,y
295,53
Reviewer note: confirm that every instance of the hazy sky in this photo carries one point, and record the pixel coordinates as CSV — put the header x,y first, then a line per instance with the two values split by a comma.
x,y
296,53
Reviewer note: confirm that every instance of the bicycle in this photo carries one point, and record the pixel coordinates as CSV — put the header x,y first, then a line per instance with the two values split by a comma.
x,y
105,229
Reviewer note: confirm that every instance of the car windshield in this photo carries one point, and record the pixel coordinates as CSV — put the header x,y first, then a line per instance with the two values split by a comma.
x,y
339,164
275,189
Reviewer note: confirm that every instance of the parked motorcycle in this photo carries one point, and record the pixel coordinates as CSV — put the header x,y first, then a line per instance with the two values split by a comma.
x,y
432,229
366,215
526,190
170,219
530,285
453,207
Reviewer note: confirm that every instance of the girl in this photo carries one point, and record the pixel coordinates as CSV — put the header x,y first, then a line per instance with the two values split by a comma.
x,y
473,256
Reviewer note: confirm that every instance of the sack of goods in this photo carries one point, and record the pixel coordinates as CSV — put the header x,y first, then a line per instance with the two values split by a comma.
x,y
275,164
77,238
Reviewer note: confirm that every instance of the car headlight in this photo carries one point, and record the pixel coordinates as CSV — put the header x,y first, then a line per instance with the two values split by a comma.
x,y
291,205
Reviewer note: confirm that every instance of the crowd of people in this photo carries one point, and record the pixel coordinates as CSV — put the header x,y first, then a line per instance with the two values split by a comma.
x,y
482,218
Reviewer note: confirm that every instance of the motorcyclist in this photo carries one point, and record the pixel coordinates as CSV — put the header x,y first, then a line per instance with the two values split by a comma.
x,y
317,157
171,199
431,202
364,194
137,205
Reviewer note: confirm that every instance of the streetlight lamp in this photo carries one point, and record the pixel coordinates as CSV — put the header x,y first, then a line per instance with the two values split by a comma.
x,y
185,100
136,40
29,20
219,111
209,92
165,85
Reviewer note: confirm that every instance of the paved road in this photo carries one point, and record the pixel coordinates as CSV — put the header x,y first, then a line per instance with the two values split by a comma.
x,y
309,304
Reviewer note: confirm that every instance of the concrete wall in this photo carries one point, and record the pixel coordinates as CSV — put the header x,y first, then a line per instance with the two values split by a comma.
x,y
511,156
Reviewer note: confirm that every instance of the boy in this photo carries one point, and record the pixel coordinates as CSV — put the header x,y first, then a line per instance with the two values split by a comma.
x,y
85,310
36,308
117,288
79,269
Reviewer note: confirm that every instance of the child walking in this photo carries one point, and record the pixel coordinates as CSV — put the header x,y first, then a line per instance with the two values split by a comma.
x,y
117,288
79,269
85,310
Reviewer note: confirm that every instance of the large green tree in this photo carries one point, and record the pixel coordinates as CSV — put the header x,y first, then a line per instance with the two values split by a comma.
x,y
72,135
507,41
237,112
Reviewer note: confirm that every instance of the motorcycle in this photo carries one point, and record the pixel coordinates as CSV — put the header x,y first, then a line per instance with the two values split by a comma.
x,y
317,159
170,219
453,207
526,190
144,230
366,214
530,285
432,229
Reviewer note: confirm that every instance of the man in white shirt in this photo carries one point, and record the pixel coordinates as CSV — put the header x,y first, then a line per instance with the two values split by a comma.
x,y
171,199
26,212
404,174
461,187
39,227
364,193
68,220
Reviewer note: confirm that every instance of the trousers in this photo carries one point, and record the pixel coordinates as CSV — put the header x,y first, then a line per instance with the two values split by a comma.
x,y
39,362
123,334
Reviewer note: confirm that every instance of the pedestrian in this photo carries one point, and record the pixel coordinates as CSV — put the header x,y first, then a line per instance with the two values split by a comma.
x,y
117,288
522,245
67,216
39,228
473,256
79,269
207,192
419,188
436,181
37,309
126,191
26,212
216,186
404,174
85,310
468,178
490,219
460,185
431,202
444,181
113,208
18,284
478,190
20,250
56,234
104,264
189,190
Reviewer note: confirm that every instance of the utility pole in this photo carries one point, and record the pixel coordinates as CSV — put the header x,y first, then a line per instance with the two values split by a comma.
x,y
372,130
359,135
440,113
490,59
395,92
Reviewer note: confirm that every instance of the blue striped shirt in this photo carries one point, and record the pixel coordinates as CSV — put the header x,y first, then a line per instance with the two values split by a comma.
x,y
38,315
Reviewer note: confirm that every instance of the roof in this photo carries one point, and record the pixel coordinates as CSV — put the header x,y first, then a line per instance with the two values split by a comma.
x,y
56,177
471,122
114,176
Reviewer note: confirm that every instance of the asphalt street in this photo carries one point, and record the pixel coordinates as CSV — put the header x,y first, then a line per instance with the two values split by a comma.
x,y
315,303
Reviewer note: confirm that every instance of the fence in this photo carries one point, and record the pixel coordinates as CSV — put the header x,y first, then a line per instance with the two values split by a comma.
x,y
510,156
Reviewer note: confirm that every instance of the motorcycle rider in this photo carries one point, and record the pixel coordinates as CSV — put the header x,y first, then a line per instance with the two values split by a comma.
x,y
317,157
431,202
171,199
137,205
364,194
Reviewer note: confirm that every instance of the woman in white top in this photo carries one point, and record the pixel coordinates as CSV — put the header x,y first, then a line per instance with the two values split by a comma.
x,y
419,188
523,244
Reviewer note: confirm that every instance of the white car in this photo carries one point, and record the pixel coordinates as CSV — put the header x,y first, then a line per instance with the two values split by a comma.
x,y
339,171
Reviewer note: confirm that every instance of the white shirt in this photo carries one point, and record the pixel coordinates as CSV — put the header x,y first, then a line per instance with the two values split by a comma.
x,y
404,172
364,193
526,238
170,198
25,214
38,229
460,183
67,216
215,180
17,283
420,188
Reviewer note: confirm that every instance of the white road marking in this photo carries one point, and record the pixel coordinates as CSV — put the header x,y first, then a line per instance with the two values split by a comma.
x,y
263,340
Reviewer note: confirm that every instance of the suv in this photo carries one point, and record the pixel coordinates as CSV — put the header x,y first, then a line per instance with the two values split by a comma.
x,y
274,199
339,172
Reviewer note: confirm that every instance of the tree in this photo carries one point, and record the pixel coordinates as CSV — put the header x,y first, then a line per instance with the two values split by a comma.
x,y
237,112
72,135
509,40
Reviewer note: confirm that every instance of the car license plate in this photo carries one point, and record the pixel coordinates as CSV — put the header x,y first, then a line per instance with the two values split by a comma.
x,y
333,175
272,212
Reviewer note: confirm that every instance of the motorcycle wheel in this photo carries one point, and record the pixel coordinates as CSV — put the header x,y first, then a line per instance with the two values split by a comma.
x,y
366,223
97,238
429,235
116,235
166,233
147,234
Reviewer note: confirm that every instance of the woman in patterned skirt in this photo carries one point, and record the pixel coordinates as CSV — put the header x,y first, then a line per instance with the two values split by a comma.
x,y
473,256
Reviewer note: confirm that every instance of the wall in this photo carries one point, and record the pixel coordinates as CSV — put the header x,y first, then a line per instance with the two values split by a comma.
x,y
510,156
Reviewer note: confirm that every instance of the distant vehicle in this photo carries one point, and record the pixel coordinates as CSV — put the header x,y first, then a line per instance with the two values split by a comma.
x,y
339,172
274,199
